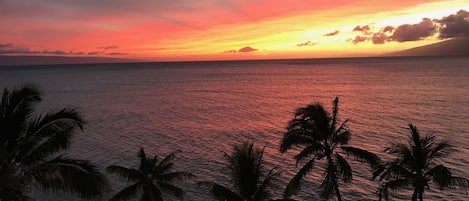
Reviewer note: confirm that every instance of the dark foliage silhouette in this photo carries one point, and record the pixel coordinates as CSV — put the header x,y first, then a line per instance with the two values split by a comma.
x,y
150,179
248,176
416,166
30,145
319,136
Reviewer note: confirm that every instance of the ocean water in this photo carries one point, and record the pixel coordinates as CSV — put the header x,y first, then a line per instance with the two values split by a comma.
x,y
203,108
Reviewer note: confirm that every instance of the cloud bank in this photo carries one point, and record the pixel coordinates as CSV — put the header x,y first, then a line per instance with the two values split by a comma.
x,y
11,49
452,26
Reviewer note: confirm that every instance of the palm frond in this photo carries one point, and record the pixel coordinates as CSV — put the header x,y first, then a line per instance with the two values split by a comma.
x,y
362,155
392,170
393,185
335,113
45,148
175,176
441,149
294,186
458,182
344,168
262,193
312,148
329,183
147,165
293,139
127,193
171,189
316,117
220,192
342,138
55,122
167,162
441,175
130,174
75,176
48,134
20,99
16,107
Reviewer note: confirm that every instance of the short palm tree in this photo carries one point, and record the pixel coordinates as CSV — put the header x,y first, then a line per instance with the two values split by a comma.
x,y
416,166
30,147
250,180
152,177
317,133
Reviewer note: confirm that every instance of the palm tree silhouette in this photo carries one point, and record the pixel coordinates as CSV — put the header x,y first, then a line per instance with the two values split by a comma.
x,y
316,132
29,147
250,180
150,178
416,166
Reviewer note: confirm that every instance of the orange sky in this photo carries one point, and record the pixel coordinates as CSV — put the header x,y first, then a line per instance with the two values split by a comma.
x,y
226,29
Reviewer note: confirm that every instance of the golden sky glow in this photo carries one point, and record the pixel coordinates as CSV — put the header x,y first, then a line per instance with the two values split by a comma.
x,y
219,29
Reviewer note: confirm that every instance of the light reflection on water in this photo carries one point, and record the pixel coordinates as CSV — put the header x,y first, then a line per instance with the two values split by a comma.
x,y
204,109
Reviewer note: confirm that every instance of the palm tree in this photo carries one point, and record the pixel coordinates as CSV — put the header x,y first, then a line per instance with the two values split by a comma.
x,y
30,145
315,131
250,180
150,178
416,166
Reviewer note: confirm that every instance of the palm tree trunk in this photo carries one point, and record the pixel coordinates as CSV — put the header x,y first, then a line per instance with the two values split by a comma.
x,y
421,196
337,192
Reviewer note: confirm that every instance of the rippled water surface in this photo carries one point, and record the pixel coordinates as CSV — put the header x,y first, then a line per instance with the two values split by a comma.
x,y
204,108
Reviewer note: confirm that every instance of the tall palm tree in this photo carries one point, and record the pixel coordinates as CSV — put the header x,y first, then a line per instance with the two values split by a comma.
x,y
30,147
416,166
250,180
317,133
150,178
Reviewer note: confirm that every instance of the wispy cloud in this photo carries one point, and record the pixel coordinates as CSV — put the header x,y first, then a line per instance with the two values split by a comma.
x,y
332,33
307,43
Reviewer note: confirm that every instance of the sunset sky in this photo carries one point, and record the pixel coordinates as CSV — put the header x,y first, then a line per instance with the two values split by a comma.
x,y
226,29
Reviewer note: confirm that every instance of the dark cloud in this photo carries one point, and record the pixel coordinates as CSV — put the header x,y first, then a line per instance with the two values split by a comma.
x,y
452,26
414,32
117,53
364,29
230,51
247,49
244,49
379,38
108,47
359,39
332,33
308,43
56,52
455,25
9,48
6,45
